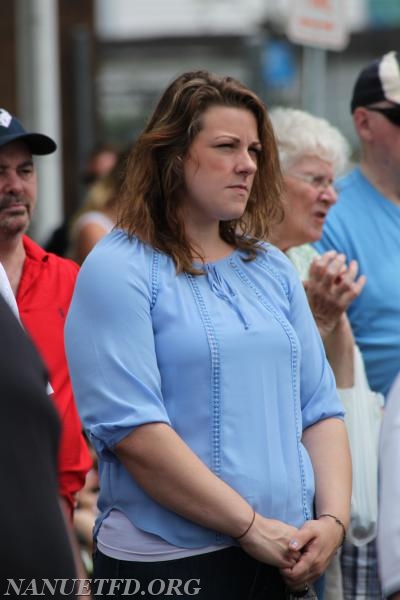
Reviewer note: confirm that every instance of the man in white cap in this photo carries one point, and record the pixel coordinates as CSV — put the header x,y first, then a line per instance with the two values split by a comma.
x,y
365,226
42,284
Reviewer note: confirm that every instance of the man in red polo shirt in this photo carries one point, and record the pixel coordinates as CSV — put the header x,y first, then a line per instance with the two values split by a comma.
x,y
43,284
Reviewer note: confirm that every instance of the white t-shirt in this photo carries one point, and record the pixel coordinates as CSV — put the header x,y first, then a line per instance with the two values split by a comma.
x,y
7,293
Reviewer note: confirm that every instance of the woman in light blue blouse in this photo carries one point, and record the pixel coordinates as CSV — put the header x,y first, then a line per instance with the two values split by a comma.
x,y
199,372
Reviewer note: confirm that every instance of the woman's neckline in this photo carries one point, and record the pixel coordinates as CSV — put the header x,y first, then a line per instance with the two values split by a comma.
x,y
218,261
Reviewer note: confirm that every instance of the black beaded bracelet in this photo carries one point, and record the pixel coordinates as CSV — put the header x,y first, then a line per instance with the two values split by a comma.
x,y
339,522
248,528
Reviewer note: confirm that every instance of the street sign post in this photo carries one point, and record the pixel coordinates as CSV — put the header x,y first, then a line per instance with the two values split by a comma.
x,y
318,25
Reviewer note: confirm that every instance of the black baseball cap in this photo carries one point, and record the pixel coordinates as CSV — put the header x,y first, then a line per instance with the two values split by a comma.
x,y
11,129
379,80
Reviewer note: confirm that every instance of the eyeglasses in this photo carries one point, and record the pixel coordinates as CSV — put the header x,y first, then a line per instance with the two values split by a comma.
x,y
319,182
392,113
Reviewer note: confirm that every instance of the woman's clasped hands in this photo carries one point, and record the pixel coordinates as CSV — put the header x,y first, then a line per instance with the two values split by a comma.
x,y
301,555
317,541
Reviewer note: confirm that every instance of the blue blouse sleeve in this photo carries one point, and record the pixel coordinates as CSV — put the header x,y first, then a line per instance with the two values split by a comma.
x,y
110,343
318,394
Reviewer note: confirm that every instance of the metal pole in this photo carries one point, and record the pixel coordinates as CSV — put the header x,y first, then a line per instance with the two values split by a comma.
x,y
38,93
83,103
314,81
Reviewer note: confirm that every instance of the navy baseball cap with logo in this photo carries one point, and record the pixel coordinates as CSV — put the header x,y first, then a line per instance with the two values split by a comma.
x,y
379,80
11,129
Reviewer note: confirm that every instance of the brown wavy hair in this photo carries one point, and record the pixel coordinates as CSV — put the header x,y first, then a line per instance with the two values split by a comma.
x,y
150,202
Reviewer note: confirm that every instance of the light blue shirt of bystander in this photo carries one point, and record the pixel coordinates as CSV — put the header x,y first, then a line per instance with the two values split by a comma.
x,y
365,226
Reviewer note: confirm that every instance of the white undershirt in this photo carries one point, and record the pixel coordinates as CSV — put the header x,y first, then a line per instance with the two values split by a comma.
x,y
6,291
118,538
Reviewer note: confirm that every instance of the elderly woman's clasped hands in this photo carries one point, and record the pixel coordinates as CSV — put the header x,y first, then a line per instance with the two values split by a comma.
x,y
331,287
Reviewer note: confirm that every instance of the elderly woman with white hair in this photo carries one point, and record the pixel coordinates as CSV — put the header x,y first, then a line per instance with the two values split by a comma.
x,y
312,154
